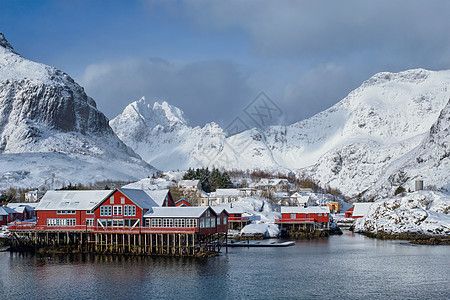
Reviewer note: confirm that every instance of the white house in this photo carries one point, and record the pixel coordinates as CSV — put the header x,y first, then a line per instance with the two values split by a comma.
x,y
222,196
189,184
302,199
275,184
34,196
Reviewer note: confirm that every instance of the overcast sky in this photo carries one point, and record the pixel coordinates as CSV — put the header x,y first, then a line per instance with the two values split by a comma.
x,y
212,58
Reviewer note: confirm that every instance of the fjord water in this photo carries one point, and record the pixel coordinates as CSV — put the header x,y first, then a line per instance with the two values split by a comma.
x,y
350,266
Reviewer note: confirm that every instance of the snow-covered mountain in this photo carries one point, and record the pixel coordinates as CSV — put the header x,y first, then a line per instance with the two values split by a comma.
x,y
47,115
350,146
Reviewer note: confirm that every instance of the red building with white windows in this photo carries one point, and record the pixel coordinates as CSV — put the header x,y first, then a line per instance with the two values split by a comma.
x,y
304,218
127,220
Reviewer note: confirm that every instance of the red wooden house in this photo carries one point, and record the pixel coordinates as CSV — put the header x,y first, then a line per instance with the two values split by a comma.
x,y
349,212
359,210
318,215
200,219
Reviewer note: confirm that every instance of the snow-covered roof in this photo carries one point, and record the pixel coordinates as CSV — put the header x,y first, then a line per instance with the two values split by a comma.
x,y
272,181
188,182
229,207
141,197
361,209
227,192
29,205
176,212
158,196
305,210
301,199
3,211
72,200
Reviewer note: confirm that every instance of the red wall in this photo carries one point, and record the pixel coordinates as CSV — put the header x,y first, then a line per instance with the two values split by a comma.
x,y
325,217
222,227
80,216
117,201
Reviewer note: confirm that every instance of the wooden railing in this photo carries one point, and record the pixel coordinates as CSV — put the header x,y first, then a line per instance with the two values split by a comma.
x,y
297,220
99,229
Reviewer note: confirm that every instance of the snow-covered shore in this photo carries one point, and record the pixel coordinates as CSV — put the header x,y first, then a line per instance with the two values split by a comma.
x,y
421,213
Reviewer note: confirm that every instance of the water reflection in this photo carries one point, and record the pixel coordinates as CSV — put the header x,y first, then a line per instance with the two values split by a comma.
x,y
348,266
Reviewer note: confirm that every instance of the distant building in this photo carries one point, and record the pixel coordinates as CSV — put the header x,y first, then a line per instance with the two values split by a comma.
x,y
292,216
302,199
24,211
273,184
189,184
222,196
34,196
358,210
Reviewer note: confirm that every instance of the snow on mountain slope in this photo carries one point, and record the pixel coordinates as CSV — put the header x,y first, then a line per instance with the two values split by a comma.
x,y
42,110
348,146
159,133
429,161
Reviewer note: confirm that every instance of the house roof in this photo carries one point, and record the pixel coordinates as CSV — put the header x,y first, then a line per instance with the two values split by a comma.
x,y
301,199
361,209
227,192
305,210
158,196
29,205
141,197
72,200
177,212
219,210
272,181
188,182
3,211
231,209
184,201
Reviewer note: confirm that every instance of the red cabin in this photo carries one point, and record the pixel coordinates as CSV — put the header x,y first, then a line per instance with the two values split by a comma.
x,y
349,212
319,215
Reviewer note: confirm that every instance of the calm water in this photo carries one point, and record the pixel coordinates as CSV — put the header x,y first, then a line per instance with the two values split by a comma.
x,y
348,266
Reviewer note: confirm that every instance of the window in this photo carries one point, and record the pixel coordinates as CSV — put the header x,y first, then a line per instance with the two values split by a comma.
x,y
213,222
191,223
320,215
202,223
66,212
105,210
167,222
293,216
225,220
90,222
129,210
1,218
122,200
111,200
179,223
218,221
89,212
156,222
117,210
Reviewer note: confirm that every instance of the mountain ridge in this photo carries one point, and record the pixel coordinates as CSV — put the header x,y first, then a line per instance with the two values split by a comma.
x,y
43,110
386,117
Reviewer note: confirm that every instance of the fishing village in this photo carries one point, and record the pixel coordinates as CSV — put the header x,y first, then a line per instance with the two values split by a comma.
x,y
145,218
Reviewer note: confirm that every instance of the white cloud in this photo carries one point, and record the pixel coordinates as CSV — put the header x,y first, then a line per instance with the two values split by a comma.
x,y
206,90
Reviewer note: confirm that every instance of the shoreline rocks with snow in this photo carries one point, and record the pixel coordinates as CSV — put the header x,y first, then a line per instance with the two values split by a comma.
x,y
412,216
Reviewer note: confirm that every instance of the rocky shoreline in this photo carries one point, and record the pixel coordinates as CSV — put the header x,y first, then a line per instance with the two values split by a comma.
x,y
414,238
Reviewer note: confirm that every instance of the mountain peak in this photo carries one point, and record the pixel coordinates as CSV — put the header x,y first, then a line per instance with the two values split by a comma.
x,y
4,43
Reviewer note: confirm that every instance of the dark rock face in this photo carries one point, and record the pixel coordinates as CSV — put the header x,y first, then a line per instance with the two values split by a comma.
x,y
36,98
